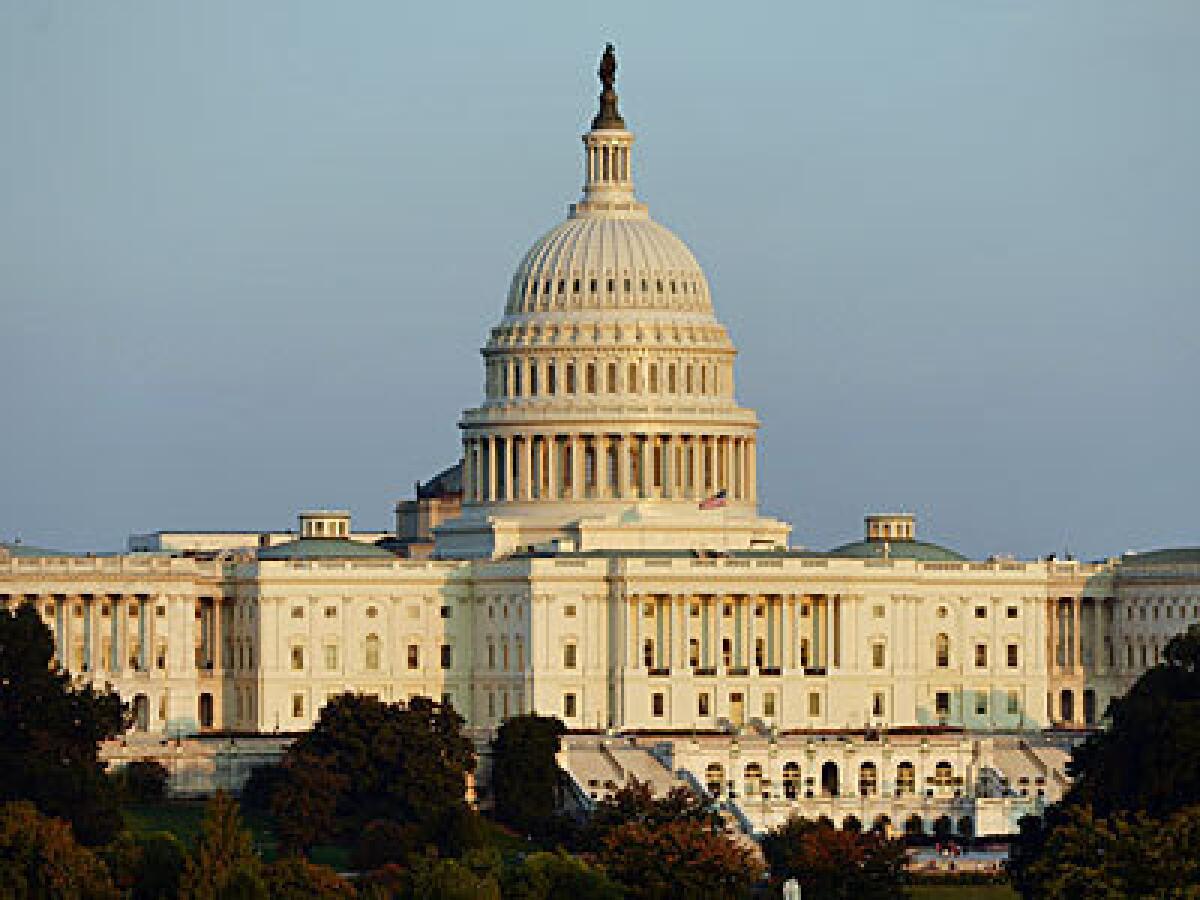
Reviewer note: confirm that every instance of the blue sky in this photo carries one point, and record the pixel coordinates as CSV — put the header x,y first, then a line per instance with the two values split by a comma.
x,y
249,251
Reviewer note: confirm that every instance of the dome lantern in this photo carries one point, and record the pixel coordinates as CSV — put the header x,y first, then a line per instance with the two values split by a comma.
x,y
607,156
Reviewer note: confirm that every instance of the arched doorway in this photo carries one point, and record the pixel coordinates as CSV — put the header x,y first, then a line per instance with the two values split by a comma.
x,y
141,712
1067,706
868,779
791,780
714,779
753,781
829,779
1089,707
206,710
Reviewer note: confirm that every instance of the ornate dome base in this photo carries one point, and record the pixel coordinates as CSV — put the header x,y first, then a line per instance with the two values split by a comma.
x,y
641,526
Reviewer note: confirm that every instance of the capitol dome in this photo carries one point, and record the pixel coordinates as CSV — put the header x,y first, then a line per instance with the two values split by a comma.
x,y
608,386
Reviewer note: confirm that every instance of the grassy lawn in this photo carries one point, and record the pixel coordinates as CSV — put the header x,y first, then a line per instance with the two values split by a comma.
x,y
182,819
963,892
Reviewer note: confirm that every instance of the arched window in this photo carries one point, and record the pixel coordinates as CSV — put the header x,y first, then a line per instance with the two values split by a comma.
x,y
371,654
906,779
829,780
714,779
943,774
141,712
791,780
942,651
753,780
868,779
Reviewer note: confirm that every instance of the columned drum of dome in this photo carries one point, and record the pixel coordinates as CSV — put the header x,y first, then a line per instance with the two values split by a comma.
x,y
608,386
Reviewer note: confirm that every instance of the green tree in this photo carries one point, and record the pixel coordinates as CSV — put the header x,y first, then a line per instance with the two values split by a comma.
x,y
679,860
294,878
144,780
146,867
222,863
39,858
404,762
832,864
526,779
547,876
1146,759
446,879
635,802
50,732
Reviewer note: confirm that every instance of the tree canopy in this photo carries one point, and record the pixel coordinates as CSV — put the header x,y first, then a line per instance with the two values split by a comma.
x,y
526,779
1146,760
50,732
40,858
368,760
833,864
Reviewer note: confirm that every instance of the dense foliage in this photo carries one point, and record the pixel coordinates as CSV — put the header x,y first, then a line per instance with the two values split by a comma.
x,y
681,860
223,862
39,857
367,760
635,803
833,864
526,779
1128,826
50,731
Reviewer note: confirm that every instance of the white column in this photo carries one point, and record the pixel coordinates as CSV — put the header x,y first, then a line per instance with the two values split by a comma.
x,y
553,450
624,487
490,443
577,448
667,449
697,447
752,469
509,443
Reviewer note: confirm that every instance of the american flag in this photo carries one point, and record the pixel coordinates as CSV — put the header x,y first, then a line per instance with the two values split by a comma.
x,y
716,501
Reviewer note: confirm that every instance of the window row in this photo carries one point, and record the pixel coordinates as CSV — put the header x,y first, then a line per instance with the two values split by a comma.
x,y
825,781
372,656
512,378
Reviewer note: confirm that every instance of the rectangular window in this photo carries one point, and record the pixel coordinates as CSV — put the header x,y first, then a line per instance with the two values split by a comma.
x,y
1012,612
1014,703
657,705
877,706
878,612
570,378
981,703
569,656
447,656
769,704
414,656
981,656
654,378
1013,659
297,706
297,612
702,705
878,656
331,612
694,652
634,385
941,703
569,610
569,711
446,612
590,378
331,660
297,658
612,378
981,612
814,704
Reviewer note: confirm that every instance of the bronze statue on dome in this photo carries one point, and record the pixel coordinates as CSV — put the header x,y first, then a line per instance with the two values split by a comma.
x,y
608,117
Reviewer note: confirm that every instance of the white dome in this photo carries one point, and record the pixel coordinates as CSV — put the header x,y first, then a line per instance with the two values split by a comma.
x,y
599,262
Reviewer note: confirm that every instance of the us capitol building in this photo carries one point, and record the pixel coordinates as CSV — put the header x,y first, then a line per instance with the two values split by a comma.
x,y
598,554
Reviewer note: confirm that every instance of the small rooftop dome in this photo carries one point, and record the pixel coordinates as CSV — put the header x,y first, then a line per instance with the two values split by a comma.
x,y
324,523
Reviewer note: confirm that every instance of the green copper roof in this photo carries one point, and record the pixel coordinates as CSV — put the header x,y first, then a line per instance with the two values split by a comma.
x,y
324,548
18,549
918,550
1172,556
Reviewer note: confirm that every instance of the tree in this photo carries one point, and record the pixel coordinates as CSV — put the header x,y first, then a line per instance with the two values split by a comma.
x,y
39,857
1125,855
145,780
384,842
832,864
367,760
680,860
222,862
294,878
447,879
635,802
1146,760
526,779
547,876
146,867
305,800
50,732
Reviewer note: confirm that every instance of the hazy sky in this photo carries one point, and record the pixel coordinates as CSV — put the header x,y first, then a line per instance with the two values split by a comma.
x,y
249,250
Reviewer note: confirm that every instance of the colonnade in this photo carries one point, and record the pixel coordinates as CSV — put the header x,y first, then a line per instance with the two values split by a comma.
x,y
733,634
534,466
